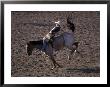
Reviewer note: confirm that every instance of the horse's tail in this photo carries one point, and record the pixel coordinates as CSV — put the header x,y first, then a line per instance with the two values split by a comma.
x,y
70,25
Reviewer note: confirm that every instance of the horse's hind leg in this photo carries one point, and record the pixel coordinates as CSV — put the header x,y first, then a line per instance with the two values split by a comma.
x,y
70,55
54,62
74,50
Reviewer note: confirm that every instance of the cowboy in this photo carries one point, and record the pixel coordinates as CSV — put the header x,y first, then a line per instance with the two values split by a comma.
x,y
49,37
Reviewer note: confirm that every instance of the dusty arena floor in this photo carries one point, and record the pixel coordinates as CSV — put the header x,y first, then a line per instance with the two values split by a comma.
x,y
33,26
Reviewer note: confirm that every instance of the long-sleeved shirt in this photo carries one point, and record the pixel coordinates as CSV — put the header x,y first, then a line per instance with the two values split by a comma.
x,y
52,33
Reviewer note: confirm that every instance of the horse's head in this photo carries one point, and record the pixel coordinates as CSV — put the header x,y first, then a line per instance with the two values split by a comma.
x,y
33,44
29,48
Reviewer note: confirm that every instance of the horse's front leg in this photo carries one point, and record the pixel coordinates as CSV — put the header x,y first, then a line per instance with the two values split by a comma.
x,y
55,64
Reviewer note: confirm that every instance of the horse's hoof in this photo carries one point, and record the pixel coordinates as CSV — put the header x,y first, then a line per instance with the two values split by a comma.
x,y
69,59
59,66
52,68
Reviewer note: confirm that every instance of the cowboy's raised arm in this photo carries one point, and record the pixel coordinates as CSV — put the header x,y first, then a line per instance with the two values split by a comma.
x,y
56,28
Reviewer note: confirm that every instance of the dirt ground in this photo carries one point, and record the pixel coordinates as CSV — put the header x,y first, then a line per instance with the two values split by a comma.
x,y
32,26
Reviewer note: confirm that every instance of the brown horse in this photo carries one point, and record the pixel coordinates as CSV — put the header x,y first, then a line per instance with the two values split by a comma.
x,y
64,40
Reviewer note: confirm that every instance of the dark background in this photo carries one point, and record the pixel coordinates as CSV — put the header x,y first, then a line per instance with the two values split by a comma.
x,y
26,26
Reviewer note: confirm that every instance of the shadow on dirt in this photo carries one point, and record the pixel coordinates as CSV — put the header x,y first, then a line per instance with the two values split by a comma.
x,y
84,70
